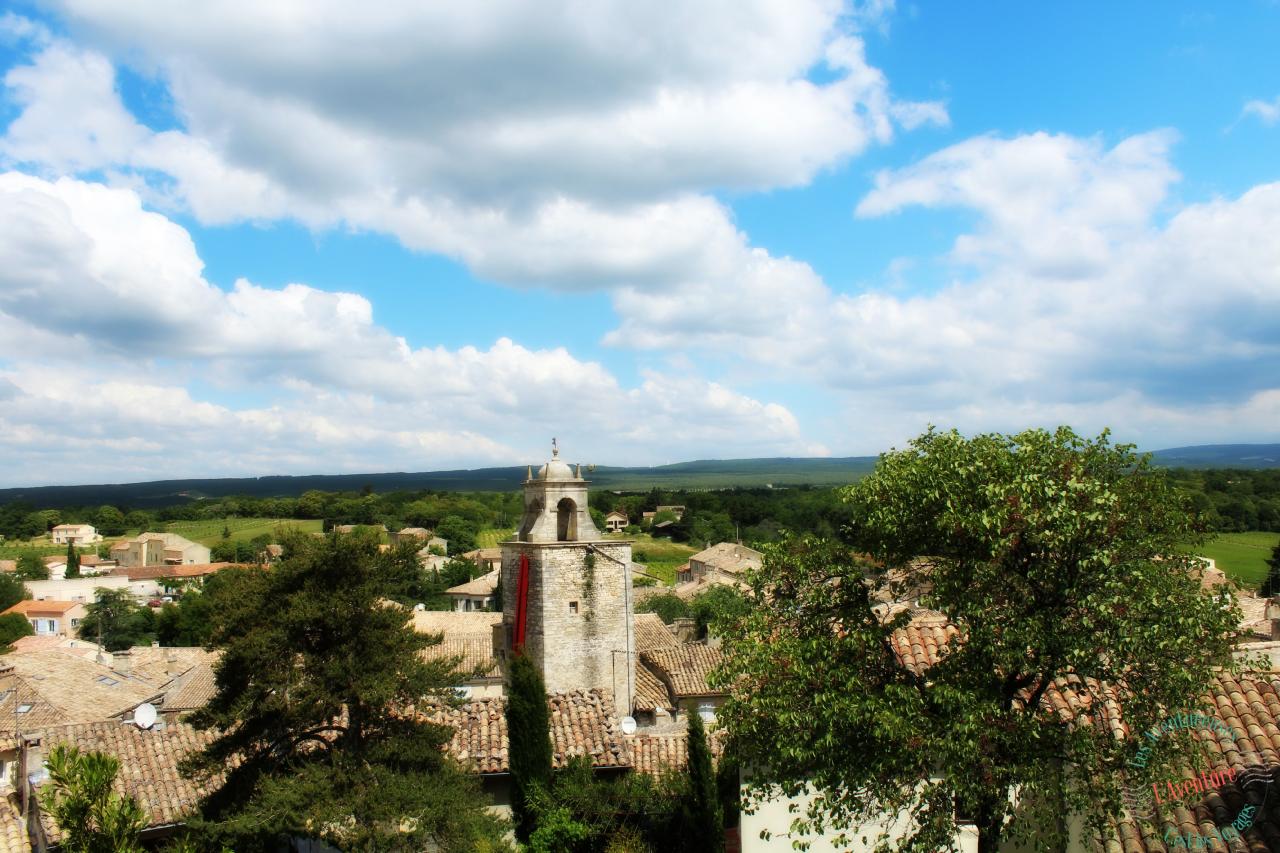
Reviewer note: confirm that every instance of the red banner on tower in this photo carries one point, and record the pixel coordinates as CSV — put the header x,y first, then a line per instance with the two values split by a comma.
x,y
522,603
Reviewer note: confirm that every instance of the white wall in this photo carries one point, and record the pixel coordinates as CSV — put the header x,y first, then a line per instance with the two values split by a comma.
x,y
73,589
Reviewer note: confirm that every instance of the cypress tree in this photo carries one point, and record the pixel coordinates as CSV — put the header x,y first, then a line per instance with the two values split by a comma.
x,y
73,561
704,823
528,739
1271,586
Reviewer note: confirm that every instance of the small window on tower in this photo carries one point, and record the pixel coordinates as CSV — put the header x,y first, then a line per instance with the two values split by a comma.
x,y
573,607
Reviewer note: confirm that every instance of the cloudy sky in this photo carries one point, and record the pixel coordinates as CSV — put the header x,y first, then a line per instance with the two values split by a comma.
x,y
243,238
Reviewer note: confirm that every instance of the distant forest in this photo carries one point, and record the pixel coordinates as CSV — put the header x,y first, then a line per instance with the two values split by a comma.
x,y
1227,500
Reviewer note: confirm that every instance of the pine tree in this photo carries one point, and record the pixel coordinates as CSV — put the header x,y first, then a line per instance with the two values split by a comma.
x,y
315,704
73,561
1271,586
529,740
703,819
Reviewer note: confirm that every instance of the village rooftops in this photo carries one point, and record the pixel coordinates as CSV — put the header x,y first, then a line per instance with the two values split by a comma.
x,y
484,585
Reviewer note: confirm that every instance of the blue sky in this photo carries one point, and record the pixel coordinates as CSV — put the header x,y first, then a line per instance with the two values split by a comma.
x,y
408,238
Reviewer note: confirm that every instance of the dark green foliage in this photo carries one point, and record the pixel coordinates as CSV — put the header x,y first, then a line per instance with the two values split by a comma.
x,y
73,561
1271,586
667,605
11,591
187,623
79,799
109,521
31,567
314,688
529,740
583,812
233,551
12,627
716,607
117,620
459,532
1053,555
701,815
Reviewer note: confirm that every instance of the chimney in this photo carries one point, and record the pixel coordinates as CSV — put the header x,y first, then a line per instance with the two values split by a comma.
x,y
685,629
1273,613
122,661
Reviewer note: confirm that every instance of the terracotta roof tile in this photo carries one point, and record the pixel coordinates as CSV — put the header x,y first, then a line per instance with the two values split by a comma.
x,y
582,724
13,829
684,669
483,585
476,653
80,689
148,763
451,623
146,573
27,606
651,692
652,634
655,753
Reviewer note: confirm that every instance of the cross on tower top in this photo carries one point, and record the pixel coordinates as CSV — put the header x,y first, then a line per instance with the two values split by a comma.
x,y
555,449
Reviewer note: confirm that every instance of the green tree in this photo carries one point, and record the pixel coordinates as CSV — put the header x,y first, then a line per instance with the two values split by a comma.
x,y
701,813
315,690
73,561
12,627
31,566
79,799
1053,556
459,533
109,521
11,591
716,607
117,620
667,605
1271,586
529,741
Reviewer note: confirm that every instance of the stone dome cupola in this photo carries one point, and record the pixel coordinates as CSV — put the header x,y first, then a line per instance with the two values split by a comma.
x,y
555,504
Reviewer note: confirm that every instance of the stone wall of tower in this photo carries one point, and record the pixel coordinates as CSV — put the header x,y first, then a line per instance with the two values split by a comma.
x,y
579,623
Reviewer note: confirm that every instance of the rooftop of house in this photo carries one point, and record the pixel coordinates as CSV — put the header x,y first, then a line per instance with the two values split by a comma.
x,y
652,633
192,570
582,724
483,554
485,585
72,526
414,531
77,689
47,607
474,654
728,557
452,624
684,669
148,764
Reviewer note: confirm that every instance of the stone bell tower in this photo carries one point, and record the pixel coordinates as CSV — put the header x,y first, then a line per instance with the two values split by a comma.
x,y
566,590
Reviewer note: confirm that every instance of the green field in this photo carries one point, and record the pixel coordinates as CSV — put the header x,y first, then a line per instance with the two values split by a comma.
x,y
490,538
1243,556
662,556
208,531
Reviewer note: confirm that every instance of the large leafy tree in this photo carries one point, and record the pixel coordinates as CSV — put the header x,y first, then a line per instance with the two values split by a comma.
x,y
116,620
78,797
317,734
1062,563
12,591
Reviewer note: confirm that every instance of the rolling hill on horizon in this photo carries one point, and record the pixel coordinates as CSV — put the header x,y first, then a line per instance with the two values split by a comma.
x,y
696,474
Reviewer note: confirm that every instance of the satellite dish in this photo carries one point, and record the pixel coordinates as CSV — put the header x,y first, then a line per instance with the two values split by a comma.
x,y
628,725
144,716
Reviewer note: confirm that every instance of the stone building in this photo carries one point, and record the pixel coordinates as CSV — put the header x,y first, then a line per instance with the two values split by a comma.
x,y
572,612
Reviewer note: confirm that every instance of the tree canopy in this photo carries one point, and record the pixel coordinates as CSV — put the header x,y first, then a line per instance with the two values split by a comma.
x,y
317,687
1053,556
117,620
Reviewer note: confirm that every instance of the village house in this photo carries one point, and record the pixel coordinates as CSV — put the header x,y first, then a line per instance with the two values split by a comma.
x,y
475,594
352,528
724,563
485,559
616,521
156,549
75,534
52,618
